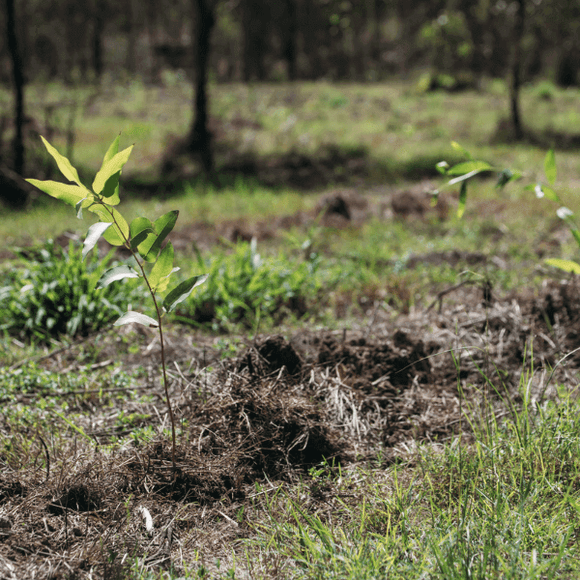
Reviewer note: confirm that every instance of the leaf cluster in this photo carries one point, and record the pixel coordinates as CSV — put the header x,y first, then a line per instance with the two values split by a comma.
x,y
142,237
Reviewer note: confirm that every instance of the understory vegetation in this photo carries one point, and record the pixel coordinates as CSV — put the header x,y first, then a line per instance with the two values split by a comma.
x,y
365,385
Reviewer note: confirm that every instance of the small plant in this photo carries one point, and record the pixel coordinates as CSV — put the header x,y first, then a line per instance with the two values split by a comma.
x,y
142,238
469,169
244,288
55,293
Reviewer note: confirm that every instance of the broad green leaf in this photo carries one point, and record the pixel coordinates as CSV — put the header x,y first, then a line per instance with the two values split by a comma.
x,y
116,273
110,168
505,176
162,266
462,178
164,282
182,291
111,189
550,194
70,194
119,233
93,235
550,166
566,265
140,229
149,249
469,166
143,319
63,163
461,149
462,200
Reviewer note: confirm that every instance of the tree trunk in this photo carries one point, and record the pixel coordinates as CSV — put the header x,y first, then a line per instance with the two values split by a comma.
x,y
15,196
200,136
97,39
290,45
519,22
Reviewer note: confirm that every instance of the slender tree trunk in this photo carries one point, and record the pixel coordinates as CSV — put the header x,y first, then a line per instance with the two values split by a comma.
x,y
290,45
519,22
200,136
97,39
10,192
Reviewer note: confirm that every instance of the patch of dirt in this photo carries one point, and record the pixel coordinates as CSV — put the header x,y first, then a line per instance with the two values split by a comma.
x,y
280,406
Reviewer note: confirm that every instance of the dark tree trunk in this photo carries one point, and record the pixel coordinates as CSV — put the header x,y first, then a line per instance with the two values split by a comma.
x,y
200,136
290,45
97,40
15,196
519,22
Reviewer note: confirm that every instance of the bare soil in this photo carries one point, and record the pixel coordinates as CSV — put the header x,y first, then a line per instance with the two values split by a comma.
x,y
281,405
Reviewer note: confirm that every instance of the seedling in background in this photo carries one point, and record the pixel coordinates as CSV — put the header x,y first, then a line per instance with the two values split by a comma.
x,y
463,172
142,238
469,169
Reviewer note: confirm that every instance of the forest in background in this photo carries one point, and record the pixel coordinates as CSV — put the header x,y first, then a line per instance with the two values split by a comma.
x,y
455,43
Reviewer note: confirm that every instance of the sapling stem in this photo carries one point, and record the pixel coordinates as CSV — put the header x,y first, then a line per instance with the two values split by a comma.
x,y
127,244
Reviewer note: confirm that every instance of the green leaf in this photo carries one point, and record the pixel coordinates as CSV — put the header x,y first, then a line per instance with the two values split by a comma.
x,y
182,291
111,189
149,249
140,229
116,273
442,167
70,194
469,167
566,265
119,233
162,267
461,149
549,193
143,319
93,235
550,166
109,168
462,178
63,163
462,199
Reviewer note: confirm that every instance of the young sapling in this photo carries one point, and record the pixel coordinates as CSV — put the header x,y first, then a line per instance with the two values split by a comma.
x,y
142,238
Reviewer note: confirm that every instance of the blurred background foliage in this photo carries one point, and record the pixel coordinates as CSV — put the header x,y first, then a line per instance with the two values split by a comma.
x,y
449,45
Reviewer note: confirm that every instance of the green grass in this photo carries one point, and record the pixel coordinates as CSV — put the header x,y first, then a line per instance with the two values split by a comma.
x,y
505,506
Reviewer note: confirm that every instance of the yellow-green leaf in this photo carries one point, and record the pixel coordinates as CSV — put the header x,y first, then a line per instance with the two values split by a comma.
x,y
63,163
70,194
162,267
118,234
566,265
110,168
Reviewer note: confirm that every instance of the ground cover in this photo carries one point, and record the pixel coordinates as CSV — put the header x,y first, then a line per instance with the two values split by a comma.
x,y
412,414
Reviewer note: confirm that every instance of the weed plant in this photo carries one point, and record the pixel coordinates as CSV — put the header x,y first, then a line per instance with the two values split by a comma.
x,y
52,292
245,288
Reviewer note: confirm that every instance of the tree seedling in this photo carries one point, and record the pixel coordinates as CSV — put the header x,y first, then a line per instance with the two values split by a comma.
x,y
463,172
142,238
